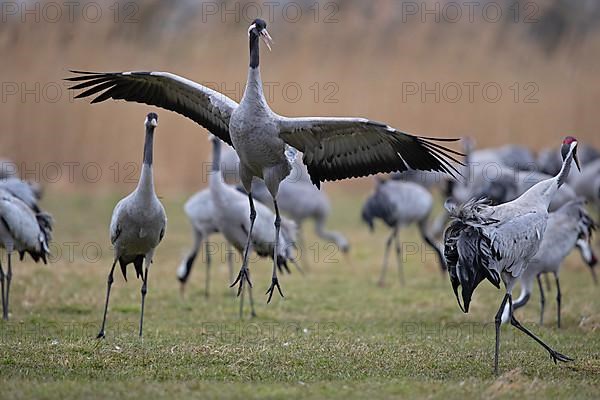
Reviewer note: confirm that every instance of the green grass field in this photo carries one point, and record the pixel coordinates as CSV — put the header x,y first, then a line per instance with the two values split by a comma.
x,y
335,334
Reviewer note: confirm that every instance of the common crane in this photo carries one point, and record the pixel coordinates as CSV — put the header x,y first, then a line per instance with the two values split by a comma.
x,y
399,204
23,229
498,242
568,227
200,211
137,225
333,148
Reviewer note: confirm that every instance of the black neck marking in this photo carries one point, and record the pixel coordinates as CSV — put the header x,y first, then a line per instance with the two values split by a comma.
x,y
216,161
148,143
254,49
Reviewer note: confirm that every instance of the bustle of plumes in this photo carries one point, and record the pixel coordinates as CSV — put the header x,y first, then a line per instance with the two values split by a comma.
x,y
468,250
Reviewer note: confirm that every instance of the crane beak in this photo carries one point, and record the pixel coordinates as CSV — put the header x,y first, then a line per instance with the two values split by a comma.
x,y
264,34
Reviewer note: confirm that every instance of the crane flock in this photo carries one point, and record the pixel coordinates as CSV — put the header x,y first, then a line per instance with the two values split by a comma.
x,y
513,228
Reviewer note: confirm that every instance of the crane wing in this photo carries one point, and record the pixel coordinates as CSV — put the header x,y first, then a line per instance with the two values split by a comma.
x,y
339,148
207,107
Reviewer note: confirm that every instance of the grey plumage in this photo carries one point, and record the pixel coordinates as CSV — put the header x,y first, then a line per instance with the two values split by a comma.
x,y
233,221
137,225
497,242
506,184
333,148
568,227
200,211
587,184
297,197
23,229
399,204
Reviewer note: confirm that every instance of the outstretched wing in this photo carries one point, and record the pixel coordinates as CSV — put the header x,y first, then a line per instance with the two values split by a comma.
x,y
202,105
339,148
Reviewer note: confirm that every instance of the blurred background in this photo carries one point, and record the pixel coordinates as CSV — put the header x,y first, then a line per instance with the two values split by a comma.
x,y
508,72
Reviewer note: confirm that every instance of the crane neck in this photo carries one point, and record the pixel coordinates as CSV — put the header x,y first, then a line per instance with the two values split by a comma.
x,y
146,182
254,49
216,155
543,192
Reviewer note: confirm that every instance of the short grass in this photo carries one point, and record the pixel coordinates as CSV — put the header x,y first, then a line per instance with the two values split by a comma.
x,y
335,334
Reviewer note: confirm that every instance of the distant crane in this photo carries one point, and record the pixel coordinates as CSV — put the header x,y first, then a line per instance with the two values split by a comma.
x,y
498,242
399,204
137,225
231,214
200,211
568,227
333,148
24,229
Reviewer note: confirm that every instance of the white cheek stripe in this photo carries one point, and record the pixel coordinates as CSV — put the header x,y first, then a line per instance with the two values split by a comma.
x,y
251,27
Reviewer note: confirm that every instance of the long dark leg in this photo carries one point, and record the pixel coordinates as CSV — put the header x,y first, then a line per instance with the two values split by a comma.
x,y
8,280
208,259
558,296
144,291
542,299
431,243
109,284
4,311
399,258
498,321
386,252
555,355
244,275
274,280
252,310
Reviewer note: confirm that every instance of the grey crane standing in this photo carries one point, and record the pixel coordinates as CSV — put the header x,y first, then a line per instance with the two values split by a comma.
x,y
497,243
200,211
568,227
231,214
399,204
24,229
137,225
333,148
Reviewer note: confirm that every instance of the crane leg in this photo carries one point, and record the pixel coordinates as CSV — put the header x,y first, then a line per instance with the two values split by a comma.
x,y
244,275
229,257
4,311
208,260
399,257
558,297
274,280
498,322
8,280
144,291
386,252
555,355
110,281
542,299
252,310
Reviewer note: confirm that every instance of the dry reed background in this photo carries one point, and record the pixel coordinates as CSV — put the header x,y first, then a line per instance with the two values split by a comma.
x,y
368,52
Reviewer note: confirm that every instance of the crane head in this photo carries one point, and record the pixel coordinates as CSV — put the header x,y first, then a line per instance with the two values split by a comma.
x,y
259,28
151,120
